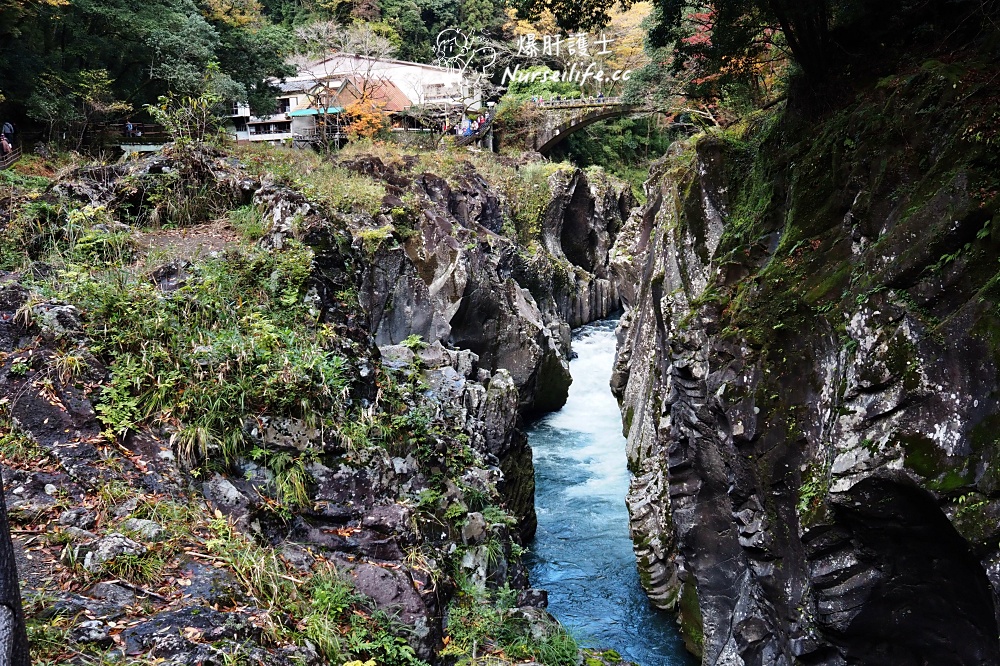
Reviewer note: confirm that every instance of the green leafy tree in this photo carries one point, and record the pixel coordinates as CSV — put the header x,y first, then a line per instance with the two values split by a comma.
x,y
68,105
146,50
253,57
196,117
439,15
480,17
415,38
572,14
182,46
821,36
720,34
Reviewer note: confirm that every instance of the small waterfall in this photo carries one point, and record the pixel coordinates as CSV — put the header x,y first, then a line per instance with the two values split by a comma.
x,y
582,553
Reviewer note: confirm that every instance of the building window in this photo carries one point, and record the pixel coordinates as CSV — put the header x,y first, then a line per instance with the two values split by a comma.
x,y
283,105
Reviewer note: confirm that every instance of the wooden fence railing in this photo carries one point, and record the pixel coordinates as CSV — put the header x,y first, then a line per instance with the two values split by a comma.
x,y
7,160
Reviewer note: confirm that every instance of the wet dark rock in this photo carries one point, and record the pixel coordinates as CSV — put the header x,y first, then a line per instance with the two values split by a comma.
x,y
226,497
170,276
299,556
801,457
170,633
78,517
94,555
474,531
147,530
69,605
533,598
113,594
31,494
211,585
94,632
58,415
390,519
126,508
397,591
456,282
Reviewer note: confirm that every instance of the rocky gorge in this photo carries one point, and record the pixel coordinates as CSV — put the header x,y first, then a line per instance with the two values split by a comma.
x,y
388,355
269,407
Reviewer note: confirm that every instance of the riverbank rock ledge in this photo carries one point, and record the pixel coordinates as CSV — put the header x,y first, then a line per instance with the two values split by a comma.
x,y
452,278
808,377
423,300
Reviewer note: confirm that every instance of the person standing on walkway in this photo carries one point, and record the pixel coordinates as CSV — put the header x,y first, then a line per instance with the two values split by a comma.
x,y
8,132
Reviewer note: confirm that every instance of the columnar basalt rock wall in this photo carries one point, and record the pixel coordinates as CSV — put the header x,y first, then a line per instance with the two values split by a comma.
x,y
807,372
457,281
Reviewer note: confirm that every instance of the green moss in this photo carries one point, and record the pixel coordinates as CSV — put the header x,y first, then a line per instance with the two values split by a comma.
x,y
922,455
987,328
831,284
692,628
973,520
599,658
627,421
925,458
372,239
813,491
985,444
951,480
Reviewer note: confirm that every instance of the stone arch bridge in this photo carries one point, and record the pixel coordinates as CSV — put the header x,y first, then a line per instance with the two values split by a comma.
x,y
560,119
563,118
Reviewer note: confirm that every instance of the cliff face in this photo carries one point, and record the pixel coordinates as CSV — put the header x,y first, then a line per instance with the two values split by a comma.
x,y
807,372
249,419
450,276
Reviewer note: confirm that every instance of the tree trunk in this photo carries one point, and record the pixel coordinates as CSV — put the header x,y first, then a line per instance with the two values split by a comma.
x,y
13,636
805,25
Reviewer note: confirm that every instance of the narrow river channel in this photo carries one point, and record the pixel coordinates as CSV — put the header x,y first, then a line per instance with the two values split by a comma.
x,y
582,553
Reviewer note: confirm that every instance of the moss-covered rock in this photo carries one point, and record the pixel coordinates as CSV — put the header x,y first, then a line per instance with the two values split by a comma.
x,y
811,346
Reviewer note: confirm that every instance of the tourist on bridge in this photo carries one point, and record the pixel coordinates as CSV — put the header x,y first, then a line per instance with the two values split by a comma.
x,y
8,132
5,146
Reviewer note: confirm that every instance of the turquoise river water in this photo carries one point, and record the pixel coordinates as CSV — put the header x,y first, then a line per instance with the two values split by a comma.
x,y
582,553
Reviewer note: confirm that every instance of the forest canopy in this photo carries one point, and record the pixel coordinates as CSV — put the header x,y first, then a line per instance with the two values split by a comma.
x,y
66,62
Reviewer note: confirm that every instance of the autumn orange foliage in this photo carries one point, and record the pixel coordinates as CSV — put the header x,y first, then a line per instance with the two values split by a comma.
x,y
367,119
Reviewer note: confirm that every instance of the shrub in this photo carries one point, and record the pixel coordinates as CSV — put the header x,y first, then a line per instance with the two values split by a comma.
x,y
236,340
482,623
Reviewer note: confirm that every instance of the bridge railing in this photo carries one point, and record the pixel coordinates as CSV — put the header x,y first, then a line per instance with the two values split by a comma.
x,y
481,131
119,133
583,102
8,160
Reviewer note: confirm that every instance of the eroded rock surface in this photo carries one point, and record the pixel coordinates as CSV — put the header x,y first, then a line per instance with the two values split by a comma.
x,y
442,488
455,279
809,393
